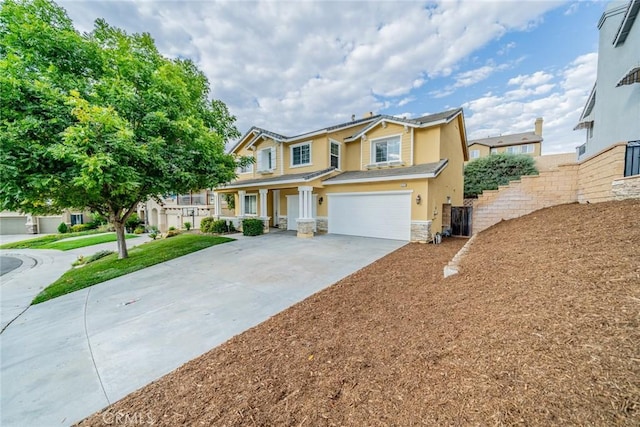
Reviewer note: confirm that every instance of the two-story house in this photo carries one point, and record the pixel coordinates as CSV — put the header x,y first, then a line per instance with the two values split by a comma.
x,y
379,176
516,143
611,114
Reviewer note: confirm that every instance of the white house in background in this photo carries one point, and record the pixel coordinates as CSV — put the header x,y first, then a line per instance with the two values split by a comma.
x,y
612,112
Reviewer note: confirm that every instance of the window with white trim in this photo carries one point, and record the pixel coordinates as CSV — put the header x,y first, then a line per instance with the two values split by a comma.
x,y
494,151
474,154
301,154
266,159
334,154
250,204
76,219
385,150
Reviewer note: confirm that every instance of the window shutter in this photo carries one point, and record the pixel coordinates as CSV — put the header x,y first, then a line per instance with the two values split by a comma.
x,y
260,168
272,156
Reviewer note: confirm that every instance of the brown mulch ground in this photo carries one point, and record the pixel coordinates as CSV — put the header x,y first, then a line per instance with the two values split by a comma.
x,y
541,327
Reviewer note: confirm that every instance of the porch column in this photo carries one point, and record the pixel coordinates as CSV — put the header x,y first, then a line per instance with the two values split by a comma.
x,y
305,222
263,202
241,195
162,220
217,205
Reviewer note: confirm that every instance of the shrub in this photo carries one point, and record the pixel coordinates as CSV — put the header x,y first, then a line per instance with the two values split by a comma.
x,y
252,227
487,173
171,233
132,222
231,227
139,230
80,227
220,226
80,261
206,223
153,233
63,228
172,228
187,225
98,255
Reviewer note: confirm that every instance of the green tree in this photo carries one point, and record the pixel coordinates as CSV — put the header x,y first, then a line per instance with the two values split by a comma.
x,y
102,120
487,173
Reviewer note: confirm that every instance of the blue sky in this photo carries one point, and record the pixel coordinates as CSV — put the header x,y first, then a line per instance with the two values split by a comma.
x,y
293,67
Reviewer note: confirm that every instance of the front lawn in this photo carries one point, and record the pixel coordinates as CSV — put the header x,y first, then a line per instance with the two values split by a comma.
x,y
39,242
140,257
66,245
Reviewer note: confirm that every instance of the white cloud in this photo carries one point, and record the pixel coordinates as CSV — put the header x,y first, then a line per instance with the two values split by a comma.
x,y
296,66
516,110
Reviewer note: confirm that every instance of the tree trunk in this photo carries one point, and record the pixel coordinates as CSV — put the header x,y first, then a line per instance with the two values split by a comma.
x,y
122,242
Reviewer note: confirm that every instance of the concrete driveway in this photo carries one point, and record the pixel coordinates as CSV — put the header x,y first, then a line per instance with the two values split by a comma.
x,y
69,357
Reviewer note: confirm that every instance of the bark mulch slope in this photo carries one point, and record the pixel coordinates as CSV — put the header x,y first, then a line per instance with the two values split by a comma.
x,y
541,327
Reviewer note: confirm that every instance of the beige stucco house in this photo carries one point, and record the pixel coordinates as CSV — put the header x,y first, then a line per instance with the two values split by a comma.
x,y
379,176
516,143
22,223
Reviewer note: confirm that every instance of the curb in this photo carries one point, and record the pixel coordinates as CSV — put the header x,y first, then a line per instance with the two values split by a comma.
x,y
452,267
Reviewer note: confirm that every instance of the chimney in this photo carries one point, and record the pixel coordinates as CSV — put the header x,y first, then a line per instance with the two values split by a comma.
x,y
538,130
353,117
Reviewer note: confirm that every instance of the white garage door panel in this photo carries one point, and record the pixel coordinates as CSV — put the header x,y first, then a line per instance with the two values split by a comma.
x,y
49,224
381,215
13,225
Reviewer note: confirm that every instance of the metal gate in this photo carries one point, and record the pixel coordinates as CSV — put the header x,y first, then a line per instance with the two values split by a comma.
x,y
461,219
632,159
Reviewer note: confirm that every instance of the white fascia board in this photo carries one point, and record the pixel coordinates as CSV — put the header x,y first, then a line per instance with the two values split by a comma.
x,y
275,182
382,179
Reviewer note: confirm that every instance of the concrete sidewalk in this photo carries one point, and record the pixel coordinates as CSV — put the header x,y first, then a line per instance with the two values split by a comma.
x,y
69,357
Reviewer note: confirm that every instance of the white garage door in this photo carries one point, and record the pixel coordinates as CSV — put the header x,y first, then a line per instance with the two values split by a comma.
x,y
385,215
49,224
293,211
13,225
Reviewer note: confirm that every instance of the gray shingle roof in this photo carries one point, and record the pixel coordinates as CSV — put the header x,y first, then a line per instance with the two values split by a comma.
x,y
506,140
399,172
300,177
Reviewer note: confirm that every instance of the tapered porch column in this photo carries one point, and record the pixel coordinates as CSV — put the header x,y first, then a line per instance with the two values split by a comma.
x,y
305,222
217,205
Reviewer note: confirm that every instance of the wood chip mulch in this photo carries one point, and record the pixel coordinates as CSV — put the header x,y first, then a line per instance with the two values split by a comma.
x,y
541,327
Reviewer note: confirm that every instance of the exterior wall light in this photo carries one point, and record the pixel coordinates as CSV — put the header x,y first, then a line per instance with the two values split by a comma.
x,y
418,199
320,200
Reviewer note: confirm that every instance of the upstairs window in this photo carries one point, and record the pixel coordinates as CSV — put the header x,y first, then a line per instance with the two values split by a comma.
x,y
267,159
335,155
513,150
385,150
474,154
527,149
494,151
245,169
301,154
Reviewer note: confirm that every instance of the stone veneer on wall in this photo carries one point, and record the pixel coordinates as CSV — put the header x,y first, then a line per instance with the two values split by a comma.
x,y
322,224
626,188
420,231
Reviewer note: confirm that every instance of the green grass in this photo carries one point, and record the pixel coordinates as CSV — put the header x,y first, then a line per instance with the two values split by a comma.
x,y
140,257
65,245
38,242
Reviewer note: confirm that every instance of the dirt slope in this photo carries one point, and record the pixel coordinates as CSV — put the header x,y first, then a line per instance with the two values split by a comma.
x,y
541,327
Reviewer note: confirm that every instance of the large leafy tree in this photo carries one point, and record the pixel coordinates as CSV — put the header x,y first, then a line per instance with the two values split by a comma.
x,y
102,120
487,173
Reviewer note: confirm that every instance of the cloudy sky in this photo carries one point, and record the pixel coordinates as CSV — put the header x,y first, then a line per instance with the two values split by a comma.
x,y
293,67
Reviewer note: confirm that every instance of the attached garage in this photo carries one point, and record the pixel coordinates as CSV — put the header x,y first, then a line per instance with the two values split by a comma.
x,y
384,215
49,224
13,225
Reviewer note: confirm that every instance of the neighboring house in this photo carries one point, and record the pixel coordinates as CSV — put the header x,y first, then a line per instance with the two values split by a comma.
x,y
21,223
517,143
175,210
379,176
611,114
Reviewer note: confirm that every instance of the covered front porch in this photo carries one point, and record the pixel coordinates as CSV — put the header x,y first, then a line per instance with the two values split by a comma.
x,y
286,207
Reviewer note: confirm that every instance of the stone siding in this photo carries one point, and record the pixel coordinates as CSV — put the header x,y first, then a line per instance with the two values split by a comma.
x,y
282,222
626,188
421,231
322,225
